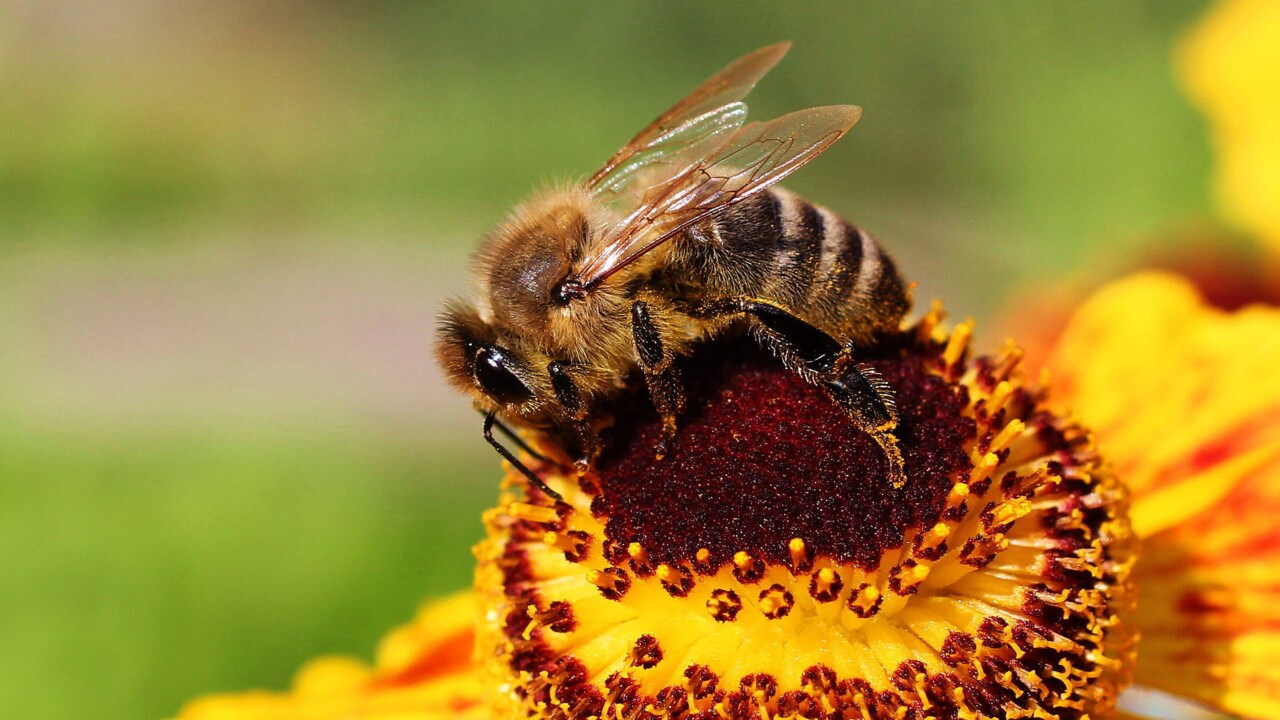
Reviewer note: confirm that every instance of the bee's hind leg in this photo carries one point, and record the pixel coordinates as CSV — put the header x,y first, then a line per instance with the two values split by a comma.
x,y
822,360
660,372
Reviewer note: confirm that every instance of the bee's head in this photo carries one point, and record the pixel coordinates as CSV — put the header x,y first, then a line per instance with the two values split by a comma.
x,y
526,259
474,361
525,270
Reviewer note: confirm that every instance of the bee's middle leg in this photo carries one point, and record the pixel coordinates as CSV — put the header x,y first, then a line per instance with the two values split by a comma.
x,y
657,361
802,348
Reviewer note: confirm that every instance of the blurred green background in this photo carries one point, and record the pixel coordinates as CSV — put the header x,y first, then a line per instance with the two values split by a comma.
x,y
227,226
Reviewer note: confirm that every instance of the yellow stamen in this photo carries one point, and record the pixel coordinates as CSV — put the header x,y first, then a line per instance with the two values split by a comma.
x,y
666,573
826,577
799,558
983,467
863,601
958,343
637,552
1007,512
532,513
999,397
1007,435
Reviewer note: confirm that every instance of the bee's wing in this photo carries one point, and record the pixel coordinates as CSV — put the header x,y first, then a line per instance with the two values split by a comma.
x,y
712,110
751,159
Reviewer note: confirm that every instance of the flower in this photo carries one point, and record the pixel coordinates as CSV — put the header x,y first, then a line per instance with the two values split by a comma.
x,y
1186,410
767,568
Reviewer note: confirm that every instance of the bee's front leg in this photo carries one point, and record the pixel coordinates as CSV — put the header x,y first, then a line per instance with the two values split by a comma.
x,y
571,401
660,372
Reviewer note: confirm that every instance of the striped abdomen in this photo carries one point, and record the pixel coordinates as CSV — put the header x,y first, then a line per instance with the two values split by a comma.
x,y
778,247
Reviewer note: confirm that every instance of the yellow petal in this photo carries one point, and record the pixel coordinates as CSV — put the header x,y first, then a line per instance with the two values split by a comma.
x,y
424,671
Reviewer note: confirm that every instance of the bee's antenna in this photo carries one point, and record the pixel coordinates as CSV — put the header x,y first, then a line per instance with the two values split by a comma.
x,y
519,441
490,419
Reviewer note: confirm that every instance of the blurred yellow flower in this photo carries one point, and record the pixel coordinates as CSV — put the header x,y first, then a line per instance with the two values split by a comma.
x,y
1231,66
423,670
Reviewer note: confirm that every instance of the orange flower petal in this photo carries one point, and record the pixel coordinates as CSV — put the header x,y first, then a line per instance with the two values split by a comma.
x,y
1185,399
1210,604
423,670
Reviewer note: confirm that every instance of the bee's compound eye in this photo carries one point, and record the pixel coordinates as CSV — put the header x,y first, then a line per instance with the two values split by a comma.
x,y
496,378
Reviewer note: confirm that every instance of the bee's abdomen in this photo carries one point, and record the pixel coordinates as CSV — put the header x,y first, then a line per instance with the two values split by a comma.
x,y
780,248
833,274
739,257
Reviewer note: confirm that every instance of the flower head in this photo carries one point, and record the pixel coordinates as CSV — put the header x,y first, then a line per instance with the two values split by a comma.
x,y
1019,603
767,567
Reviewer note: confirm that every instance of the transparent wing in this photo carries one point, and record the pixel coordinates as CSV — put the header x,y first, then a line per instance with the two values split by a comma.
x,y
749,160
711,111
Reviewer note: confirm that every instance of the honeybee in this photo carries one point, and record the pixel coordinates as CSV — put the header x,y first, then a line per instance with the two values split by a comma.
x,y
680,236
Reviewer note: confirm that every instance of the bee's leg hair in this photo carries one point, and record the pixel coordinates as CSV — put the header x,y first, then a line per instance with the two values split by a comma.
x,y
660,372
571,400
868,399
489,421
822,360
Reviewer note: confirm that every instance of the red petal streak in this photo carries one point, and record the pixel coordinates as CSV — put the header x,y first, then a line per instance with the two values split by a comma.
x,y
450,655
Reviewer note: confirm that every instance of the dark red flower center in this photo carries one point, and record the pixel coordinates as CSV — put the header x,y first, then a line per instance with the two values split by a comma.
x,y
764,457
